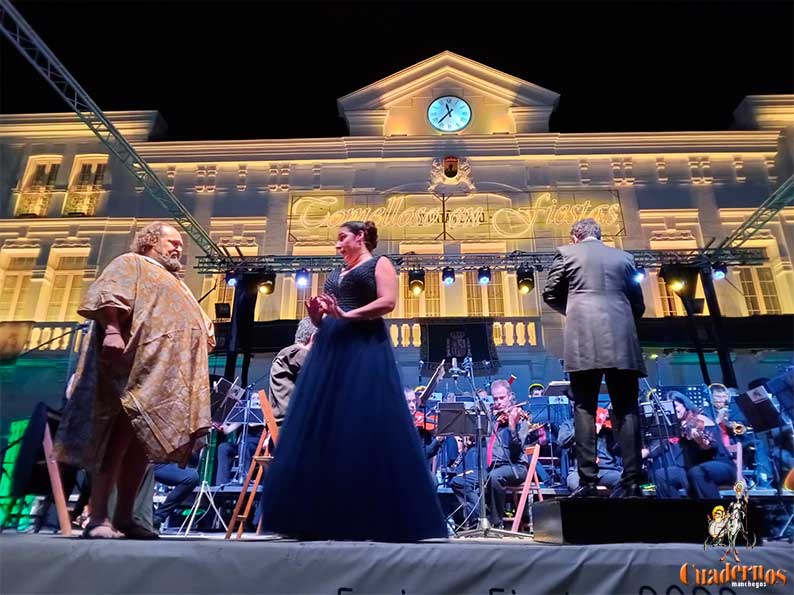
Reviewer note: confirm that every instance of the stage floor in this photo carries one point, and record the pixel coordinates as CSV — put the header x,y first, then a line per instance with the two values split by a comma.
x,y
208,564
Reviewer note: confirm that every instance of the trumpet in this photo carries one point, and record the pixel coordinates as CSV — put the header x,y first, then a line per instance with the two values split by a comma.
x,y
736,428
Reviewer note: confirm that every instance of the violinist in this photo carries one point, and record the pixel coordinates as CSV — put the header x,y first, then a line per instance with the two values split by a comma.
x,y
699,451
610,465
504,454
424,425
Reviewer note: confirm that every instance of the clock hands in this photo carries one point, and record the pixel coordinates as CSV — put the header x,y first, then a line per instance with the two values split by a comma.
x,y
449,113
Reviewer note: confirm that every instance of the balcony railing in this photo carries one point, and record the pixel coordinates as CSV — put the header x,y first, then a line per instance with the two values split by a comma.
x,y
32,203
81,201
42,332
508,332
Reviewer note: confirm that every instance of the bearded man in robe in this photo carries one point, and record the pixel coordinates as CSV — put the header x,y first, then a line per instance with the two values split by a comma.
x,y
141,390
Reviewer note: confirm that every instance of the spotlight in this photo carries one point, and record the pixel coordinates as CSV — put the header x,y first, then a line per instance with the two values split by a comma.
x,y
484,275
231,279
681,279
639,274
448,275
267,283
525,277
416,281
719,271
302,278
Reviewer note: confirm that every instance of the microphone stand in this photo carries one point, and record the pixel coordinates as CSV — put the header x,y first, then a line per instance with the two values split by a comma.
x,y
484,527
242,446
665,425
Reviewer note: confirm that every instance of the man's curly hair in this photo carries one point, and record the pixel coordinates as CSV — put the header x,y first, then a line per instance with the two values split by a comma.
x,y
147,237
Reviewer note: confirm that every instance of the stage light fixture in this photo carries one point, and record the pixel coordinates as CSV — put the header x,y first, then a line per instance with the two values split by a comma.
x,y
267,283
681,279
525,277
639,274
416,281
302,278
484,275
448,275
719,271
231,279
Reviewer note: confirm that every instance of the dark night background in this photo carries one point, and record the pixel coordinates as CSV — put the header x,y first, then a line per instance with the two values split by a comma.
x,y
247,70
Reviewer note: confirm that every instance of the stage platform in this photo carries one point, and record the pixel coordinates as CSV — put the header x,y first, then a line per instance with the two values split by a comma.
x,y
208,564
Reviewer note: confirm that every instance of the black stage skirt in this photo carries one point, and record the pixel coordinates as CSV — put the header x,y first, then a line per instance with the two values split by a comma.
x,y
348,464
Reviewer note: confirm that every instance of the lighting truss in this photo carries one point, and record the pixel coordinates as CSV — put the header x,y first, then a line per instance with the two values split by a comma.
x,y
20,33
649,259
783,196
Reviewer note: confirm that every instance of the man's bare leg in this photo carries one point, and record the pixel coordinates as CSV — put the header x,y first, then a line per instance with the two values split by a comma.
x,y
102,483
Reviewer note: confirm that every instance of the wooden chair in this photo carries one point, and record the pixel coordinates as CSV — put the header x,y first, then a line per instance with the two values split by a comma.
x,y
531,484
256,469
36,450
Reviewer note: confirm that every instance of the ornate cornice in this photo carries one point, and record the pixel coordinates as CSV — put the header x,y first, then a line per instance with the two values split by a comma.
x,y
72,243
419,148
21,243
136,126
671,235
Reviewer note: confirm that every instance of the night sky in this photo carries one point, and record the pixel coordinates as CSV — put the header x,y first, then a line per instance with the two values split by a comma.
x,y
251,70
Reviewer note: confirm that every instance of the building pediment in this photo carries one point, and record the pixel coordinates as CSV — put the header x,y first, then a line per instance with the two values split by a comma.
x,y
397,105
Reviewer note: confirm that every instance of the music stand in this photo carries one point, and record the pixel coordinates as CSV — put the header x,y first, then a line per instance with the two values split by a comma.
x,y
455,419
762,415
246,412
760,411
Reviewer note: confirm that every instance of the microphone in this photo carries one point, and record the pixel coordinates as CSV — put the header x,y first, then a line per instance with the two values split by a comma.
x,y
454,369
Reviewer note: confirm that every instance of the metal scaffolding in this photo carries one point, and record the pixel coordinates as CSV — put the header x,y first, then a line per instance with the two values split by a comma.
x,y
18,32
648,259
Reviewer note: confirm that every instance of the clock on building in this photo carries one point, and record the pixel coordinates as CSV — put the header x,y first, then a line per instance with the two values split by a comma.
x,y
449,114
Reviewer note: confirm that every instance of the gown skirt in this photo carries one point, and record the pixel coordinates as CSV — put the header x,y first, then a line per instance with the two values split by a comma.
x,y
349,464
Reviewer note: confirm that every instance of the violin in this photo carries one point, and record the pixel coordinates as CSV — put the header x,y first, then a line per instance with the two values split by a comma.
x,y
602,419
692,428
426,421
503,417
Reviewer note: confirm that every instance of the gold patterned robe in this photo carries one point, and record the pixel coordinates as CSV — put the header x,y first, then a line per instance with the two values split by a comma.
x,y
164,386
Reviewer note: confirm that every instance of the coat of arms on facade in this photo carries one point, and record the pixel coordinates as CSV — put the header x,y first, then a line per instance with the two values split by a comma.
x,y
451,175
458,345
725,526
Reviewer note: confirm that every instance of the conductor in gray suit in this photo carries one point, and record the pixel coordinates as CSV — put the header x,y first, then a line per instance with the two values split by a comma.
x,y
593,286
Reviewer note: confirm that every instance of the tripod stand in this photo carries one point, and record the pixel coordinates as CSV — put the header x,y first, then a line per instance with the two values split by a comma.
x,y
484,527
204,490
667,430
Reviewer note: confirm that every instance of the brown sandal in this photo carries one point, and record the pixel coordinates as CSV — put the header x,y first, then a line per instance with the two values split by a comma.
x,y
101,531
138,532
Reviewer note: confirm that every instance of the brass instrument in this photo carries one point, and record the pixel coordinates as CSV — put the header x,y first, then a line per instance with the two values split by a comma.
x,y
736,428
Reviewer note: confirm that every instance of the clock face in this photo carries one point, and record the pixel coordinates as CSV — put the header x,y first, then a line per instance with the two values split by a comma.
x,y
449,114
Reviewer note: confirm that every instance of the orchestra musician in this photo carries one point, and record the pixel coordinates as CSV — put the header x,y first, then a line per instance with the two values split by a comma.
x,y
424,425
698,461
505,458
610,466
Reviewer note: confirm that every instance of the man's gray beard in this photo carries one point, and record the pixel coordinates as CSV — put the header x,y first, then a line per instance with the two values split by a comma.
x,y
172,265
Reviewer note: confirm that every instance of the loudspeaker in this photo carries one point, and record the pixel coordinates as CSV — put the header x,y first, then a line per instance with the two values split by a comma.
x,y
630,520
223,310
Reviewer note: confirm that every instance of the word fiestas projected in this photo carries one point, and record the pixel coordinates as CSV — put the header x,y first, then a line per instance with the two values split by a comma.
x,y
318,212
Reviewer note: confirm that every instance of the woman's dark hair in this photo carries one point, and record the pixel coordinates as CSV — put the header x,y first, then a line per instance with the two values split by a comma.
x,y
370,232
681,398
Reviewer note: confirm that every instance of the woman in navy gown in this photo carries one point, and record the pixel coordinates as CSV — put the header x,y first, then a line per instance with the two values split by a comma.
x,y
349,464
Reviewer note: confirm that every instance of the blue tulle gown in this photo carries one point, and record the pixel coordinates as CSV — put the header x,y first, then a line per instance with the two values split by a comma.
x,y
349,464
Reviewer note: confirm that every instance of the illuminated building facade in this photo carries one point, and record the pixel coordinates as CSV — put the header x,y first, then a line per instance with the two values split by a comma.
x,y
447,156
